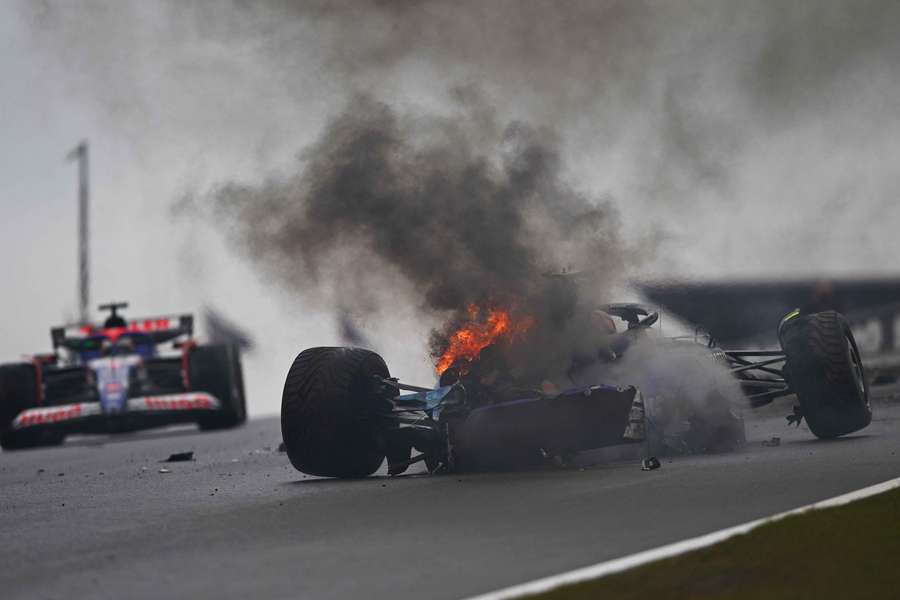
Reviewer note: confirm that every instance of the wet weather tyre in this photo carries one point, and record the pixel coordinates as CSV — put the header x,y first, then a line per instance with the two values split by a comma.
x,y
825,371
217,370
18,392
329,412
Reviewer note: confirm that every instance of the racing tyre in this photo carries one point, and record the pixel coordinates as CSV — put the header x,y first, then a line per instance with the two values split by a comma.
x,y
825,371
18,392
217,371
329,412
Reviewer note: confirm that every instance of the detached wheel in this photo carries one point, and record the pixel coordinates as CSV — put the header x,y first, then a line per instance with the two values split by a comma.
x,y
217,371
825,371
329,412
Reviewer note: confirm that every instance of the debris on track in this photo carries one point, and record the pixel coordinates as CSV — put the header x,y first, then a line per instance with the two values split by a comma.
x,y
180,457
650,464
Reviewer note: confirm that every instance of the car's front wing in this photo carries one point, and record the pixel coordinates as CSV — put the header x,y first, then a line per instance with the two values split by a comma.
x,y
145,411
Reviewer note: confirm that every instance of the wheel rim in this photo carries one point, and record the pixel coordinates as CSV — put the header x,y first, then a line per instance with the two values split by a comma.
x,y
856,369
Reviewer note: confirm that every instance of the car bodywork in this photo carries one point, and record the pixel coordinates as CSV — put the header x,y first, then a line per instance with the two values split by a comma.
x,y
452,434
507,431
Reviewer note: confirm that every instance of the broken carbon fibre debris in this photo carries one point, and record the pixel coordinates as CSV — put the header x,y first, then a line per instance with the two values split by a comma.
x,y
180,457
650,464
796,417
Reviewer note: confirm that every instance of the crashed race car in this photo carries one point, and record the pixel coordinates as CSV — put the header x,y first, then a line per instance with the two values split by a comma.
x,y
343,414
118,377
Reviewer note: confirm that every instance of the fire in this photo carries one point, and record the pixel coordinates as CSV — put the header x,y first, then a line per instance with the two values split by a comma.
x,y
478,333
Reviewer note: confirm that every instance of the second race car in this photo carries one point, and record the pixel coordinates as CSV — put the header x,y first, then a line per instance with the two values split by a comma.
x,y
120,376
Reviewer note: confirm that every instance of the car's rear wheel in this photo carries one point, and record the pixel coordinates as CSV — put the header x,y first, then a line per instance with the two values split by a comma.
x,y
18,392
826,373
217,371
330,412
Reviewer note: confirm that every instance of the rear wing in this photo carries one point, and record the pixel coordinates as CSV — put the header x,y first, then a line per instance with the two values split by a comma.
x,y
157,329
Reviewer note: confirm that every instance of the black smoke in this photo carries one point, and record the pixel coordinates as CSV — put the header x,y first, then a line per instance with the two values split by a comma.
x,y
453,210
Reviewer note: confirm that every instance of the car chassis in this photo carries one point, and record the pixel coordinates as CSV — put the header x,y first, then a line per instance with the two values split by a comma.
x,y
819,362
427,416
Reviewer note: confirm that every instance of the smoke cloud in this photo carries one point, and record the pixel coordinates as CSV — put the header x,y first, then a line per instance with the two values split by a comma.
x,y
453,210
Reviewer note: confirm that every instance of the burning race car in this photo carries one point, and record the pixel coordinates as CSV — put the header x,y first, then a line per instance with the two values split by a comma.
x,y
115,378
342,412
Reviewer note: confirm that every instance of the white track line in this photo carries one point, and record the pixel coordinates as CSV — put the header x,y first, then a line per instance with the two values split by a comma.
x,y
641,558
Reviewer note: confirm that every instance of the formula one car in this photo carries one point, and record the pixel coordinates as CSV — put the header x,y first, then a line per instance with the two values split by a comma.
x,y
118,377
342,412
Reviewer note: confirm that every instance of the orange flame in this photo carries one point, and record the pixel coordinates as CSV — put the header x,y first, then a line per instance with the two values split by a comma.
x,y
469,340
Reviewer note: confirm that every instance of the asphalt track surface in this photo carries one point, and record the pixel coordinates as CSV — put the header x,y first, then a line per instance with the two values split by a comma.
x,y
95,517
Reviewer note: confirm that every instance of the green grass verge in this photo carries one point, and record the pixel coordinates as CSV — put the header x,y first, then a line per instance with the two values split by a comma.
x,y
850,551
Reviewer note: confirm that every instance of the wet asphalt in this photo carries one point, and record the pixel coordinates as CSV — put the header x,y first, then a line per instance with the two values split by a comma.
x,y
96,517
